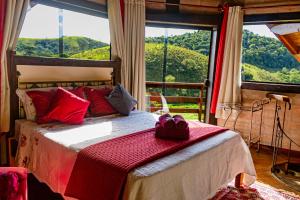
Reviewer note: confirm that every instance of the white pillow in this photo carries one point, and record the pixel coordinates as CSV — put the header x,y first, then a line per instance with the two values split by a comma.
x,y
27,104
27,101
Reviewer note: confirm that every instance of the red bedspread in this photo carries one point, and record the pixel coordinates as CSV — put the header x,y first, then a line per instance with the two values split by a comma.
x,y
100,170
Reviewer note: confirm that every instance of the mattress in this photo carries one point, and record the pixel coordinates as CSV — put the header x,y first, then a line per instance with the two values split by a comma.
x,y
196,172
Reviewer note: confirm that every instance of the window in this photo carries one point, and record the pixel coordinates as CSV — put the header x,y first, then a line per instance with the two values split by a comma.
x,y
176,55
266,59
53,32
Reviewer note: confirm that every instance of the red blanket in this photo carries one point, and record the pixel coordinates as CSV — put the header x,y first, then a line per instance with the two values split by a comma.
x,y
100,170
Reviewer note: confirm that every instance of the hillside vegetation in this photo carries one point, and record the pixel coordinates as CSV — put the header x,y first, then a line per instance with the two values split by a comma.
x,y
265,59
49,47
182,64
102,53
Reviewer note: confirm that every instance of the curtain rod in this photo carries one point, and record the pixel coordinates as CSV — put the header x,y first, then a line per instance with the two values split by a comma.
x,y
219,7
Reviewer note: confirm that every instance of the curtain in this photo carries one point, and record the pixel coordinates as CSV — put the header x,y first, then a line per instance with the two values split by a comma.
x,y
127,32
15,11
134,27
219,61
230,85
115,18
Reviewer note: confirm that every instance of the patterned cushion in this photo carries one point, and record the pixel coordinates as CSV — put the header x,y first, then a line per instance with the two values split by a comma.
x,y
27,104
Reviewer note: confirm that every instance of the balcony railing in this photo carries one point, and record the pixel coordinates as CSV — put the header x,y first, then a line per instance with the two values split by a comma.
x,y
154,95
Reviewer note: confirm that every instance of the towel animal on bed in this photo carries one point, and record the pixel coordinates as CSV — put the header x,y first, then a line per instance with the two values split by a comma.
x,y
169,127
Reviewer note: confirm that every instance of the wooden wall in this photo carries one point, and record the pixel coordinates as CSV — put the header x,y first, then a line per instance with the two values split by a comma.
x,y
38,73
292,125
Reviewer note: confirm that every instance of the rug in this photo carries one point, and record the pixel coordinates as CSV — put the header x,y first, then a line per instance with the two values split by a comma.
x,y
257,191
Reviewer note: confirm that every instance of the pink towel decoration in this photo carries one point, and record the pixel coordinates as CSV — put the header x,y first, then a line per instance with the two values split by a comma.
x,y
180,122
175,128
167,121
164,116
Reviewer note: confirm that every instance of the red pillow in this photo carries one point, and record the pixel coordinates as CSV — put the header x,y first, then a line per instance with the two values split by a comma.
x,y
41,101
99,105
66,108
79,91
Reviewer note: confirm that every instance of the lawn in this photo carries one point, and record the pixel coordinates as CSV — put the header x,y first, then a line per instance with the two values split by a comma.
x,y
189,116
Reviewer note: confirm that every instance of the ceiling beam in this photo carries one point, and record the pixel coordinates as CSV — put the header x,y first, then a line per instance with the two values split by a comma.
x,y
210,20
273,18
82,6
172,6
272,9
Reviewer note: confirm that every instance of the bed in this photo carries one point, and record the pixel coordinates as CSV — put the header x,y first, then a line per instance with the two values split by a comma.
x,y
49,151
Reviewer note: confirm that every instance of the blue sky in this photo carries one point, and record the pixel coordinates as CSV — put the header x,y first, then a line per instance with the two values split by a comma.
x,y
42,22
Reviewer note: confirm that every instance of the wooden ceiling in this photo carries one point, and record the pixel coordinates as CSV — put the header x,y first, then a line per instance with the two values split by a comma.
x,y
213,6
292,43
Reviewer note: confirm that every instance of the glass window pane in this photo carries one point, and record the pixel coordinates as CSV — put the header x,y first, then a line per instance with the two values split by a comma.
x,y
90,33
176,55
266,59
39,34
83,36
154,53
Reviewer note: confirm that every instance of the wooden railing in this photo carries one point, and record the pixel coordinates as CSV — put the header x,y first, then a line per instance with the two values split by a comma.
x,y
155,97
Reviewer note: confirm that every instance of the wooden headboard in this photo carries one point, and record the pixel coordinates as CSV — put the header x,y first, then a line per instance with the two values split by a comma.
x,y
43,62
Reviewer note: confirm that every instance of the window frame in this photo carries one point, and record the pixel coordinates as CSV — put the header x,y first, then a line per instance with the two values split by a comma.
x,y
211,55
275,18
80,6
189,26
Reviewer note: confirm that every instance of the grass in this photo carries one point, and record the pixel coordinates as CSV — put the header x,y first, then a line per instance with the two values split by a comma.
x,y
188,116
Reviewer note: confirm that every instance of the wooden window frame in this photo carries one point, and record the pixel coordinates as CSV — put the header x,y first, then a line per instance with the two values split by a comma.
x,y
79,6
260,19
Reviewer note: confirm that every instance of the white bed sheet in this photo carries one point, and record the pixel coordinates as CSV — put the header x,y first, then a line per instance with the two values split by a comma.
x,y
196,172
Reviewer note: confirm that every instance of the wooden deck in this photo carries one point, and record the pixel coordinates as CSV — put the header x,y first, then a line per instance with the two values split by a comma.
x,y
156,99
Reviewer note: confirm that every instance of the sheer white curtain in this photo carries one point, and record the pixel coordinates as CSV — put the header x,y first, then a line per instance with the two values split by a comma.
x,y
230,86
14,18
134,25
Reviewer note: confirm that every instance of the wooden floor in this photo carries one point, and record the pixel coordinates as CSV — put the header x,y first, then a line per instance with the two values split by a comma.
x,y
263,163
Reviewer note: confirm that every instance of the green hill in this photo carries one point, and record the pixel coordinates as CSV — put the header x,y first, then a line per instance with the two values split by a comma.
x,y
49,47
182,64
254,73
264,52
102,53
267,53
267,59
198,41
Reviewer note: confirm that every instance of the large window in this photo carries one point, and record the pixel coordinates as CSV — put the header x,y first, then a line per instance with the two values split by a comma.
x,y
177,55
266,59
53,32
